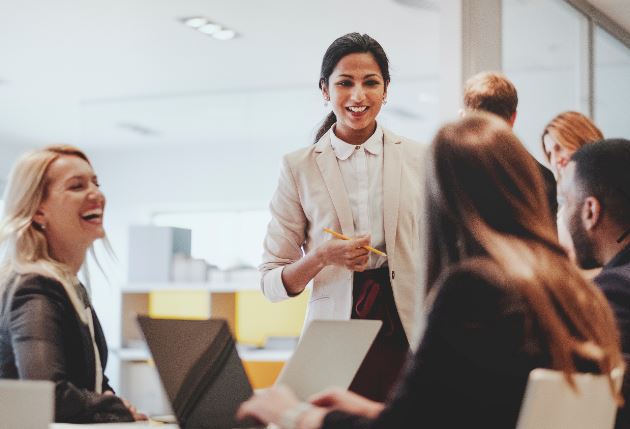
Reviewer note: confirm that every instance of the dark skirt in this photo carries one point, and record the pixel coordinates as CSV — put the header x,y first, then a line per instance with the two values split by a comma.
x,y
372,298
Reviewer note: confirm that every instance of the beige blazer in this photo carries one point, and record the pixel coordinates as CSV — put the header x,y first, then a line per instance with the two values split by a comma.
x,y
311,195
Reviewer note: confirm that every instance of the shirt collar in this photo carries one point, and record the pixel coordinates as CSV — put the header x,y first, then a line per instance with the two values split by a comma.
x,y
343,150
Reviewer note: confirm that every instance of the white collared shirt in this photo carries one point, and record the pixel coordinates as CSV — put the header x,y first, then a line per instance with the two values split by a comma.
x,y
362,172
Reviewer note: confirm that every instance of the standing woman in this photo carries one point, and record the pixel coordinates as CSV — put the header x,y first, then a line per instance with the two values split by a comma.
x,y
365,182
48,329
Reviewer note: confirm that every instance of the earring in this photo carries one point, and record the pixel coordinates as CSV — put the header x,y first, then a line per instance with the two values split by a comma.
x,y
384,101
326,100
43,227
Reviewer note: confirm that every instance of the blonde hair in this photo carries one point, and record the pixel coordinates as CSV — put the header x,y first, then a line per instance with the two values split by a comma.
x,y
571,130
24,241
491,92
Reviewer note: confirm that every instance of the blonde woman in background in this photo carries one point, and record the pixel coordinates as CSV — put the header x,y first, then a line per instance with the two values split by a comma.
x,y
564,135
561,138
48,329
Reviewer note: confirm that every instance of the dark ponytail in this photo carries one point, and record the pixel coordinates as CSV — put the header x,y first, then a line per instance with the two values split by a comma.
x,y
351,43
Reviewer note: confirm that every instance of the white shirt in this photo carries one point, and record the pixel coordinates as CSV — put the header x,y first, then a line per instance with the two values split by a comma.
x,y
362,172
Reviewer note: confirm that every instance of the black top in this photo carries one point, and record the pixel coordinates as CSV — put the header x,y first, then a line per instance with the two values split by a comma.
x,y
551,189
43,338
472,366
614,281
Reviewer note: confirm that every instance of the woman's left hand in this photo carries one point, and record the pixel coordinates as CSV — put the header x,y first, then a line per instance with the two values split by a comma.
x,y
269,405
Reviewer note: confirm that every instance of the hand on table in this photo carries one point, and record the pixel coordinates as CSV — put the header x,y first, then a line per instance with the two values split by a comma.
x,y
270,405
137,416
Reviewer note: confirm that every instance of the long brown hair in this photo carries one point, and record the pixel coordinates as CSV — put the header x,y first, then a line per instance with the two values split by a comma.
x,y
571,130
486,198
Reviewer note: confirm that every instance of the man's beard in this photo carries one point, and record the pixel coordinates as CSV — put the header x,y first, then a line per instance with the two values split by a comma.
x,y
582,244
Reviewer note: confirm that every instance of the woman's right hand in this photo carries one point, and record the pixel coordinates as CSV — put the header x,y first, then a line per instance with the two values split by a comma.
x,y
346,253
137,416
349,402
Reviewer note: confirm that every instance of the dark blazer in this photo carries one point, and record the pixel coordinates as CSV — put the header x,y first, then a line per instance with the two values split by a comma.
x,y
551,189
472,366
614,281
43,338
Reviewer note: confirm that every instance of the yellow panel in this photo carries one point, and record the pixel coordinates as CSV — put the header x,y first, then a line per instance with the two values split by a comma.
x,y
257,318
262,373
180,304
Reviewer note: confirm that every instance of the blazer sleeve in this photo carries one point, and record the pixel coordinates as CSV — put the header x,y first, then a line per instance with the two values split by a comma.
x,y
463,373
36,325
286,234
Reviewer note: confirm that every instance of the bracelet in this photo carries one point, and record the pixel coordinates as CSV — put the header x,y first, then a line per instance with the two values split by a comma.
x,y
291,417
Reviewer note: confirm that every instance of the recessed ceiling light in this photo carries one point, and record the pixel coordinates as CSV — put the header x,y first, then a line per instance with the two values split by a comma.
x,y
210,28
224,34
195,22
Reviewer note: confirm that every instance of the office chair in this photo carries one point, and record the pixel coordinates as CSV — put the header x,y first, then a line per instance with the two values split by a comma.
x,y
551,403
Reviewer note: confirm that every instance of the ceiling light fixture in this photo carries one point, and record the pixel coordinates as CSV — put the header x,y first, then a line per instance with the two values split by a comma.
x,y
224,34
195,22
209,27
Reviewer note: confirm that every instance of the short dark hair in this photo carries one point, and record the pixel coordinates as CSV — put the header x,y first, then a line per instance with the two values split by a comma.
x,y
351,43
491,92
602,170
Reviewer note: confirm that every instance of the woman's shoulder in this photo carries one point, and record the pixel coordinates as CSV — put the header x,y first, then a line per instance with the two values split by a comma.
x,y
478,281
20,285
410,147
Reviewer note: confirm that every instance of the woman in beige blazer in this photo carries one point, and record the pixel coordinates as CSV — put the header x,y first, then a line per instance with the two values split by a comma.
x,y
365,182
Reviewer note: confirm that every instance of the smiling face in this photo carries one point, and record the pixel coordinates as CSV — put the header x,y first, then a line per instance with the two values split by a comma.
x,y
558,155
72,211
356,90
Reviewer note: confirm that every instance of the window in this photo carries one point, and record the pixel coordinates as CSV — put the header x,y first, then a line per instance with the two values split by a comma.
x,y
542,43
612,85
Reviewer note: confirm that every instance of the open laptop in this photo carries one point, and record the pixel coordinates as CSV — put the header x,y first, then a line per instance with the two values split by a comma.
x,y
26,404
204,378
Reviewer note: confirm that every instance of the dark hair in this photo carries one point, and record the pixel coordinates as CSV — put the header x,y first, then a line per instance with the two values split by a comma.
x,y
351,43
486,199
491,92
602,170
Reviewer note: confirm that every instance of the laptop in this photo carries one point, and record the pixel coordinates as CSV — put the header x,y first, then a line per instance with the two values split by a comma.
x,y
204,378
26,404
329,354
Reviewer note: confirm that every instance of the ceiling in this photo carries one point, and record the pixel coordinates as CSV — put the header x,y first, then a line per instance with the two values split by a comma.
x,y
617,10
119,73
116,72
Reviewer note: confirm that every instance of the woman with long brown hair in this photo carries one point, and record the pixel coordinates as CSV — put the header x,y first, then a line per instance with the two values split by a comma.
x,y
504,299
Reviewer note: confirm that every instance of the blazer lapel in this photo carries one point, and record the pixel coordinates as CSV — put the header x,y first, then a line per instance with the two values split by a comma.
x,y
329,168
391,189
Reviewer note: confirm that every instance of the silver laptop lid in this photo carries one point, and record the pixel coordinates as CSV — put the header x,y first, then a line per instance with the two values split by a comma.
x,y
329,354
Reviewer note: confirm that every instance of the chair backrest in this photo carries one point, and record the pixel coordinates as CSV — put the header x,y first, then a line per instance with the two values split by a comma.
x,y
26,404
551,403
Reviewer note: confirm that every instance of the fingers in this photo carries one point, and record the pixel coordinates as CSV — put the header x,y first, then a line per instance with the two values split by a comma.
x,y
327,398
362,240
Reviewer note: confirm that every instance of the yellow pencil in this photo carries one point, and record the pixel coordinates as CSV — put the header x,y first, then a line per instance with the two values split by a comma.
x,y
343,237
